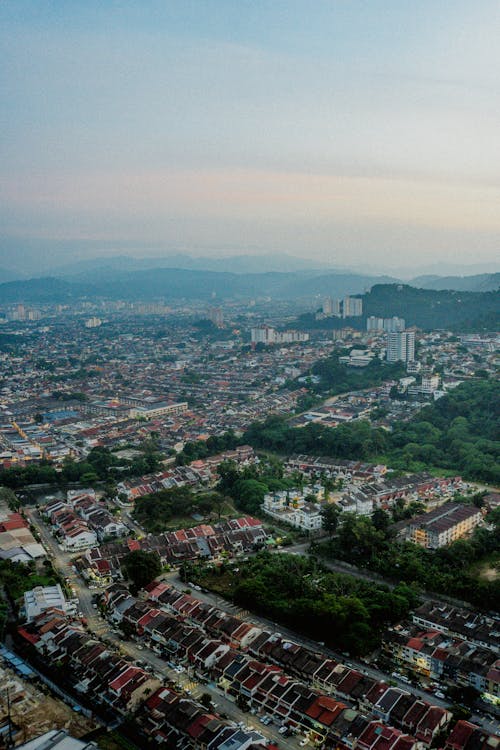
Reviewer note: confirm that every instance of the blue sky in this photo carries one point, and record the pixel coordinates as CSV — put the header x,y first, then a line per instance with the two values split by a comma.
x,y
356,132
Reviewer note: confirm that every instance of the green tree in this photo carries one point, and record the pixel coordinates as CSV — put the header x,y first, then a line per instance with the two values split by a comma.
x,y
330,518
141,568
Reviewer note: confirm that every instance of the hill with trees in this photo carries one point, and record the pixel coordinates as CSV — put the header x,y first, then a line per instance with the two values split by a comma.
x,y
431,309
458,432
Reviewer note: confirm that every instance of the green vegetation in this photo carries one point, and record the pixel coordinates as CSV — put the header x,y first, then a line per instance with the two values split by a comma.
x,y
100,465
296,591
458,432
248,486
194,450
356,440
336,377
8,496
156,511
16,578
73,396
141,568
458,311
369,543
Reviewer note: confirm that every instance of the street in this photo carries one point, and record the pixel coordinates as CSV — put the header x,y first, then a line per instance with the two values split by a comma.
x,y
62,561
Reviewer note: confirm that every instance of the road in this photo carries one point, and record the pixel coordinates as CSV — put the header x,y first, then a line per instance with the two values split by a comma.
x,y
364,667
62,561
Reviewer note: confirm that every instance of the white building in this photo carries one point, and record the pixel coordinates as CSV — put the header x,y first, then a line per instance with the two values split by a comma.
x,y
267,335
160,409
394,324
331,307
352,307
79,538
401,346
374,324
57,739
291,507
41,598
430,383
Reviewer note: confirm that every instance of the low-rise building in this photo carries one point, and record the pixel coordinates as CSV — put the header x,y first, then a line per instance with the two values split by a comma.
x,y
42,598
443,525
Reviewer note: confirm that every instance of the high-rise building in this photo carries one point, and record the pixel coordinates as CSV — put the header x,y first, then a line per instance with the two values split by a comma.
x,y
216,315
263,335
352,307
268,335
394,324
331,307
401,346
374,324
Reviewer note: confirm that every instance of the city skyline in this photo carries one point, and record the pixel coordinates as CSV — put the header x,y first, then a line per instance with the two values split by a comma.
x,y
350,134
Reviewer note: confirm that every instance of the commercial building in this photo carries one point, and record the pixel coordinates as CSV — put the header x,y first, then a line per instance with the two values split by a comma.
x,y
42,598
159,409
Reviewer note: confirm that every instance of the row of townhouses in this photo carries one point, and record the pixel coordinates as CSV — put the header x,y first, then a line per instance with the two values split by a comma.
x,y
102,564
81,521
296,686
122,688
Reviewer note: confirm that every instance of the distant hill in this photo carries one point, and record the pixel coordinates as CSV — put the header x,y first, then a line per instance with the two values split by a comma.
x,y
429,308
241,264
7,274
483,282
425,308
176,283
45,289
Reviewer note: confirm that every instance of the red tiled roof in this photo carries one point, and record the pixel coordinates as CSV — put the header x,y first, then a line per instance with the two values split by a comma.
x,y
415,643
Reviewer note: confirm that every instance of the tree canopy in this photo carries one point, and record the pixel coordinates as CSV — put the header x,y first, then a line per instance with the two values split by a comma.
x,y
141,568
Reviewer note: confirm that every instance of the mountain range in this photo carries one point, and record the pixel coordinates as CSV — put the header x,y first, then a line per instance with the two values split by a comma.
x,y
124,277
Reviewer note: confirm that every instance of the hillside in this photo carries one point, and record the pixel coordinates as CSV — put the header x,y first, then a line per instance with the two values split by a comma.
x,y
179,283
483,282
428,308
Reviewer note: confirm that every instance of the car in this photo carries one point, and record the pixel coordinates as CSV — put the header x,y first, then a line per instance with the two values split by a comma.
x,y
303,743
139,647
283,730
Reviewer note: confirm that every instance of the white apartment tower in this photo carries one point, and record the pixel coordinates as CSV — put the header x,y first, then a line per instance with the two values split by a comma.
x,y
401,346
352,307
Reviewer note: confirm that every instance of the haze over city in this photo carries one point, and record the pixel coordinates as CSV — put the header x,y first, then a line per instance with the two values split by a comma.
x,y
350,133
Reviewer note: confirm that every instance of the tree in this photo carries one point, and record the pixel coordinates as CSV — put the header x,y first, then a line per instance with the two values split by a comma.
x,y
330,518
141,568
206,700
381,520
8,496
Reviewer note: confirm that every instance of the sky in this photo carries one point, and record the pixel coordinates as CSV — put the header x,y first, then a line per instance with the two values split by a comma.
x,y
355,132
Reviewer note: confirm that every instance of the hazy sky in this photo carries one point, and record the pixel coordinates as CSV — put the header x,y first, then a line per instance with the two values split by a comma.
x,y
354,131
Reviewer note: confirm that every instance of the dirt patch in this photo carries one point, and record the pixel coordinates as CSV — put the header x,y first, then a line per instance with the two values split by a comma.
x,y
489,573
34,712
